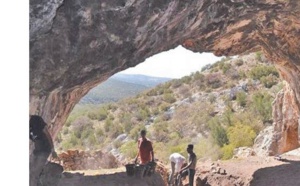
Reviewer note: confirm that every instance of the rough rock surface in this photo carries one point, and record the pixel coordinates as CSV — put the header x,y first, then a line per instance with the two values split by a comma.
x,y
77,44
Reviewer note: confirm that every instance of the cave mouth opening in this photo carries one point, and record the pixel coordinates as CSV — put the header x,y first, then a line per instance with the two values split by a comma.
x,y
87,118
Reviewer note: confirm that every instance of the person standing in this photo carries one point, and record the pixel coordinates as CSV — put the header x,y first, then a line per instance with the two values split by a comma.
x,y
145,149
177,161
192,160
43,147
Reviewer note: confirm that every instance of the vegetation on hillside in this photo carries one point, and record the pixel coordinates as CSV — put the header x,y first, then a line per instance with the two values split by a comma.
x,y
221,107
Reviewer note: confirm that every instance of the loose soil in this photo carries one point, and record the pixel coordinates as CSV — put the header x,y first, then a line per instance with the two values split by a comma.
x,y
250,171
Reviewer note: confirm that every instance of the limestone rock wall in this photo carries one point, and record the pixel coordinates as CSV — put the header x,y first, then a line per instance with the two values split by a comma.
x,y
77,44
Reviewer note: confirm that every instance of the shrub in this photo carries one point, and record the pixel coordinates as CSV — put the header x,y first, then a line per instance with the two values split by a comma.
x,y
212,98
239,62
260,71
213,80
233,73
176,83
218,132
117,144
160,132
135,132
227,151
258,56
107,125
241,135
164,106
269,81
241,98
262,105
102,112
205,149
225,67
199,76
129,149
186,79
206,67
152,92
91,141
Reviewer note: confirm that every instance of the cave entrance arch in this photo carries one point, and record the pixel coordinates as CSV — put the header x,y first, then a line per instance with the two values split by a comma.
x,y
75,45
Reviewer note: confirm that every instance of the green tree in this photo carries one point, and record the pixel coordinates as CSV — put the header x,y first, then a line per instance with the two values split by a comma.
x,y
218,132
262,105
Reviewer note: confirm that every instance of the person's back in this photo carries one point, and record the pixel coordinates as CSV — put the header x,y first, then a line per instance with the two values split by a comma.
x,y
145,149
177,160
176,157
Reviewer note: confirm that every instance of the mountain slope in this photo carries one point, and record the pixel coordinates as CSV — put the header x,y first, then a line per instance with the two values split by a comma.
x,y
120,86
221,108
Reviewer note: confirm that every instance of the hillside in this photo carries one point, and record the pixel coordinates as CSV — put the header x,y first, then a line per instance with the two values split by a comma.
x,y
120,86
219,108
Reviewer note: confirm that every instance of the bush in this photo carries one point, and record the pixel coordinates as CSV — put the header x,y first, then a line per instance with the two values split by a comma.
x,y
152,92
262,105
269,81
160,132
212,98
213,80
176,83
107,125
239,62
199,76
258,56
135,132
241,98
206,67
186,79
102,114
141,114
241,135
227,151
129,149
225,67
260,71
205,149
218,132
164,107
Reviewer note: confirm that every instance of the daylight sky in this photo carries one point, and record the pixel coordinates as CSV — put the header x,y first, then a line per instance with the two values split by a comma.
x,y
174,63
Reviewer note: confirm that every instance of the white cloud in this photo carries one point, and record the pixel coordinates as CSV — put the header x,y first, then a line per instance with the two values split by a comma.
x,y
174,63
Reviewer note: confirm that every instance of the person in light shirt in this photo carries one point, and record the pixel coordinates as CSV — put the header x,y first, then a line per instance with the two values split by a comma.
x,y
177,161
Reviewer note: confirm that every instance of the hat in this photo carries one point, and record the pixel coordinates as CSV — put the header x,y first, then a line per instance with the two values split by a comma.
x,y
190,146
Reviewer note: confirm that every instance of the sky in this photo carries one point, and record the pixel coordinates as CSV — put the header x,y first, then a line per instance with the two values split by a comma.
x,y
174,63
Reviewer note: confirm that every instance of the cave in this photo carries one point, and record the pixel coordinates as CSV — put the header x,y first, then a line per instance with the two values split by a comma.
x,y
77,44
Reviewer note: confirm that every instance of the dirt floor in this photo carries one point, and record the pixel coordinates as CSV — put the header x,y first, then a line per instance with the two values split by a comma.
x,y
250,171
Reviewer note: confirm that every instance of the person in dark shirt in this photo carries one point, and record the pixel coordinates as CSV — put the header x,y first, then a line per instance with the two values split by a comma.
x,y
43,147
191,167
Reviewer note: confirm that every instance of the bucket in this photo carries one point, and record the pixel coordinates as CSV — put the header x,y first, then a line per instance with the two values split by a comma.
x,y
139,171
130,169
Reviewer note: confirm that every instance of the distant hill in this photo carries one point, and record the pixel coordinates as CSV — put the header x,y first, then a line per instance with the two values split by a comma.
x,y
120,86
143,80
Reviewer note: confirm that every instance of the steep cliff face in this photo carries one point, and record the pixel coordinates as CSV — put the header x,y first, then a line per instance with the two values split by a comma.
x,y
76,44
